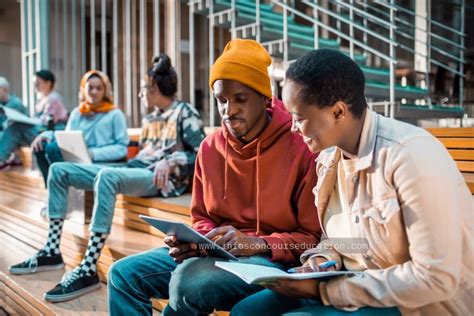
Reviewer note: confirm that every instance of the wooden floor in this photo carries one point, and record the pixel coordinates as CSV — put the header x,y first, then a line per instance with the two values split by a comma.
x,y
23,231
35,285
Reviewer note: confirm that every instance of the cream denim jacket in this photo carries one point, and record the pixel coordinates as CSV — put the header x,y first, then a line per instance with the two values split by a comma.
x,y
412,205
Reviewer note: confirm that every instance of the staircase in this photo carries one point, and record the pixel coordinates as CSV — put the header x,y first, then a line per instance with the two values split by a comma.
x,y
381,36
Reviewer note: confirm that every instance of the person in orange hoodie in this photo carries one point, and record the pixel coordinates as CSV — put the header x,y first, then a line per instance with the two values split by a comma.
x,y
251,194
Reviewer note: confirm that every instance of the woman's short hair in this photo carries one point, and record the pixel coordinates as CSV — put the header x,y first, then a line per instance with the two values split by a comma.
x,y
327,76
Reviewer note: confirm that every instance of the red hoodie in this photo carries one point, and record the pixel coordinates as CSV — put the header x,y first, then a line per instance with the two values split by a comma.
x,y
263,188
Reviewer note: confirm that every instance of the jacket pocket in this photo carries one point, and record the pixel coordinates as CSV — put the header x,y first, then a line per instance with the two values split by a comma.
x,y
383,211
384,230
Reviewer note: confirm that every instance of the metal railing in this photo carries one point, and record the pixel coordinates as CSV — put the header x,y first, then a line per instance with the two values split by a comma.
x,y
388,25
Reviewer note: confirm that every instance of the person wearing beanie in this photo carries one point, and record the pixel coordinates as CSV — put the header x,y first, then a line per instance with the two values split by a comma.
x,y
49,110
251,194
164,167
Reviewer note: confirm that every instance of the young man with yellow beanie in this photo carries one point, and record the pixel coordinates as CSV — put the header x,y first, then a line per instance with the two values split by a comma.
x,y
251,194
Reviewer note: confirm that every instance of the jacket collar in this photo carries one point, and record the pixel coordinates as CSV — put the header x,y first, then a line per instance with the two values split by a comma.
x,y
331,156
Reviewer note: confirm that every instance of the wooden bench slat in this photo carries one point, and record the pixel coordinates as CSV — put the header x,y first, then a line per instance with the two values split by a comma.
x,y
462,154
457,142
465,166
452,132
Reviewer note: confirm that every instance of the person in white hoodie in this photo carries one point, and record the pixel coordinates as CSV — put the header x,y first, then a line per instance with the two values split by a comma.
x,y
385,187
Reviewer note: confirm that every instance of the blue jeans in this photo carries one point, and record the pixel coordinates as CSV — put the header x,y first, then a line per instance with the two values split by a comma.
x,y
106,182
270,303
194,287
45,158
16,135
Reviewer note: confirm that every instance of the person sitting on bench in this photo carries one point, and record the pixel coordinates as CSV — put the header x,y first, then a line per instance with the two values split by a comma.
x,y
102,122
49,110
164,167
251,192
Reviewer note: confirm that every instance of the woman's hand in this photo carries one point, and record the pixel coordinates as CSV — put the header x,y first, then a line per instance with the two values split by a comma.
x,y
37,144
301,288
295,288
236,242
313,262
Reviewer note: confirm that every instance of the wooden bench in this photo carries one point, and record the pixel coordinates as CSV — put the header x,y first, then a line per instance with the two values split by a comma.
x,y
460,145
23,195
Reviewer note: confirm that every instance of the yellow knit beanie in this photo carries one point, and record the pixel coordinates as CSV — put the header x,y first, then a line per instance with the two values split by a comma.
x,y
245,61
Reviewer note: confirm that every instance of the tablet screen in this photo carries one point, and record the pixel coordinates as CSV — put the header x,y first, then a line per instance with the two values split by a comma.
x,y
185,233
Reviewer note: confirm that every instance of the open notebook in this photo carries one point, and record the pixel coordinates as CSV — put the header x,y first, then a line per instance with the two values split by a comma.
x,y
255,274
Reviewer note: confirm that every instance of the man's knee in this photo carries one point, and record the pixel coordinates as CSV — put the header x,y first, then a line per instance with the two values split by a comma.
x,y
119,273
146,274
188,283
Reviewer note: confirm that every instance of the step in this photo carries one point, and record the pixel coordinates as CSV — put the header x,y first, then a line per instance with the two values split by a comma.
x,y
298,37
271,22
25,293
379,90
248,6
300,49
27,225
19,217
376,74
435,111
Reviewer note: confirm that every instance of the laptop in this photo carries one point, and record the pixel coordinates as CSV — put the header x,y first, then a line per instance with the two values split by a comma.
x,y
72,146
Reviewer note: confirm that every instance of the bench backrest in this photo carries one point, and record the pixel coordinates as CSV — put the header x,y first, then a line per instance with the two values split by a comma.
x,y
460,144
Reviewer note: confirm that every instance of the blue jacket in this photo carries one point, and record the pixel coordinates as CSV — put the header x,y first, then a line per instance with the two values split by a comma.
x,y
105,134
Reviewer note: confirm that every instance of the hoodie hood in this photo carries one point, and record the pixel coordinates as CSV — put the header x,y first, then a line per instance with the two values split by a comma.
x,y
262,188
232,148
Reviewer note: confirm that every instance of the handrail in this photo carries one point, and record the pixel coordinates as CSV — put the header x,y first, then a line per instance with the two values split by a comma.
x,y
330,29
408,24
314,5
451,29
447,40
399,8
362,13
440,64
442,52
411,50
399,32
434,47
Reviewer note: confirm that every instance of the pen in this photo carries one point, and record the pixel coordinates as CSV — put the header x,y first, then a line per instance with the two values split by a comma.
x,y
321,267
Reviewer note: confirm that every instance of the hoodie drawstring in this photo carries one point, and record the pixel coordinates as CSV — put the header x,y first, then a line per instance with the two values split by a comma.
x,y
258,189
257,176
226,165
